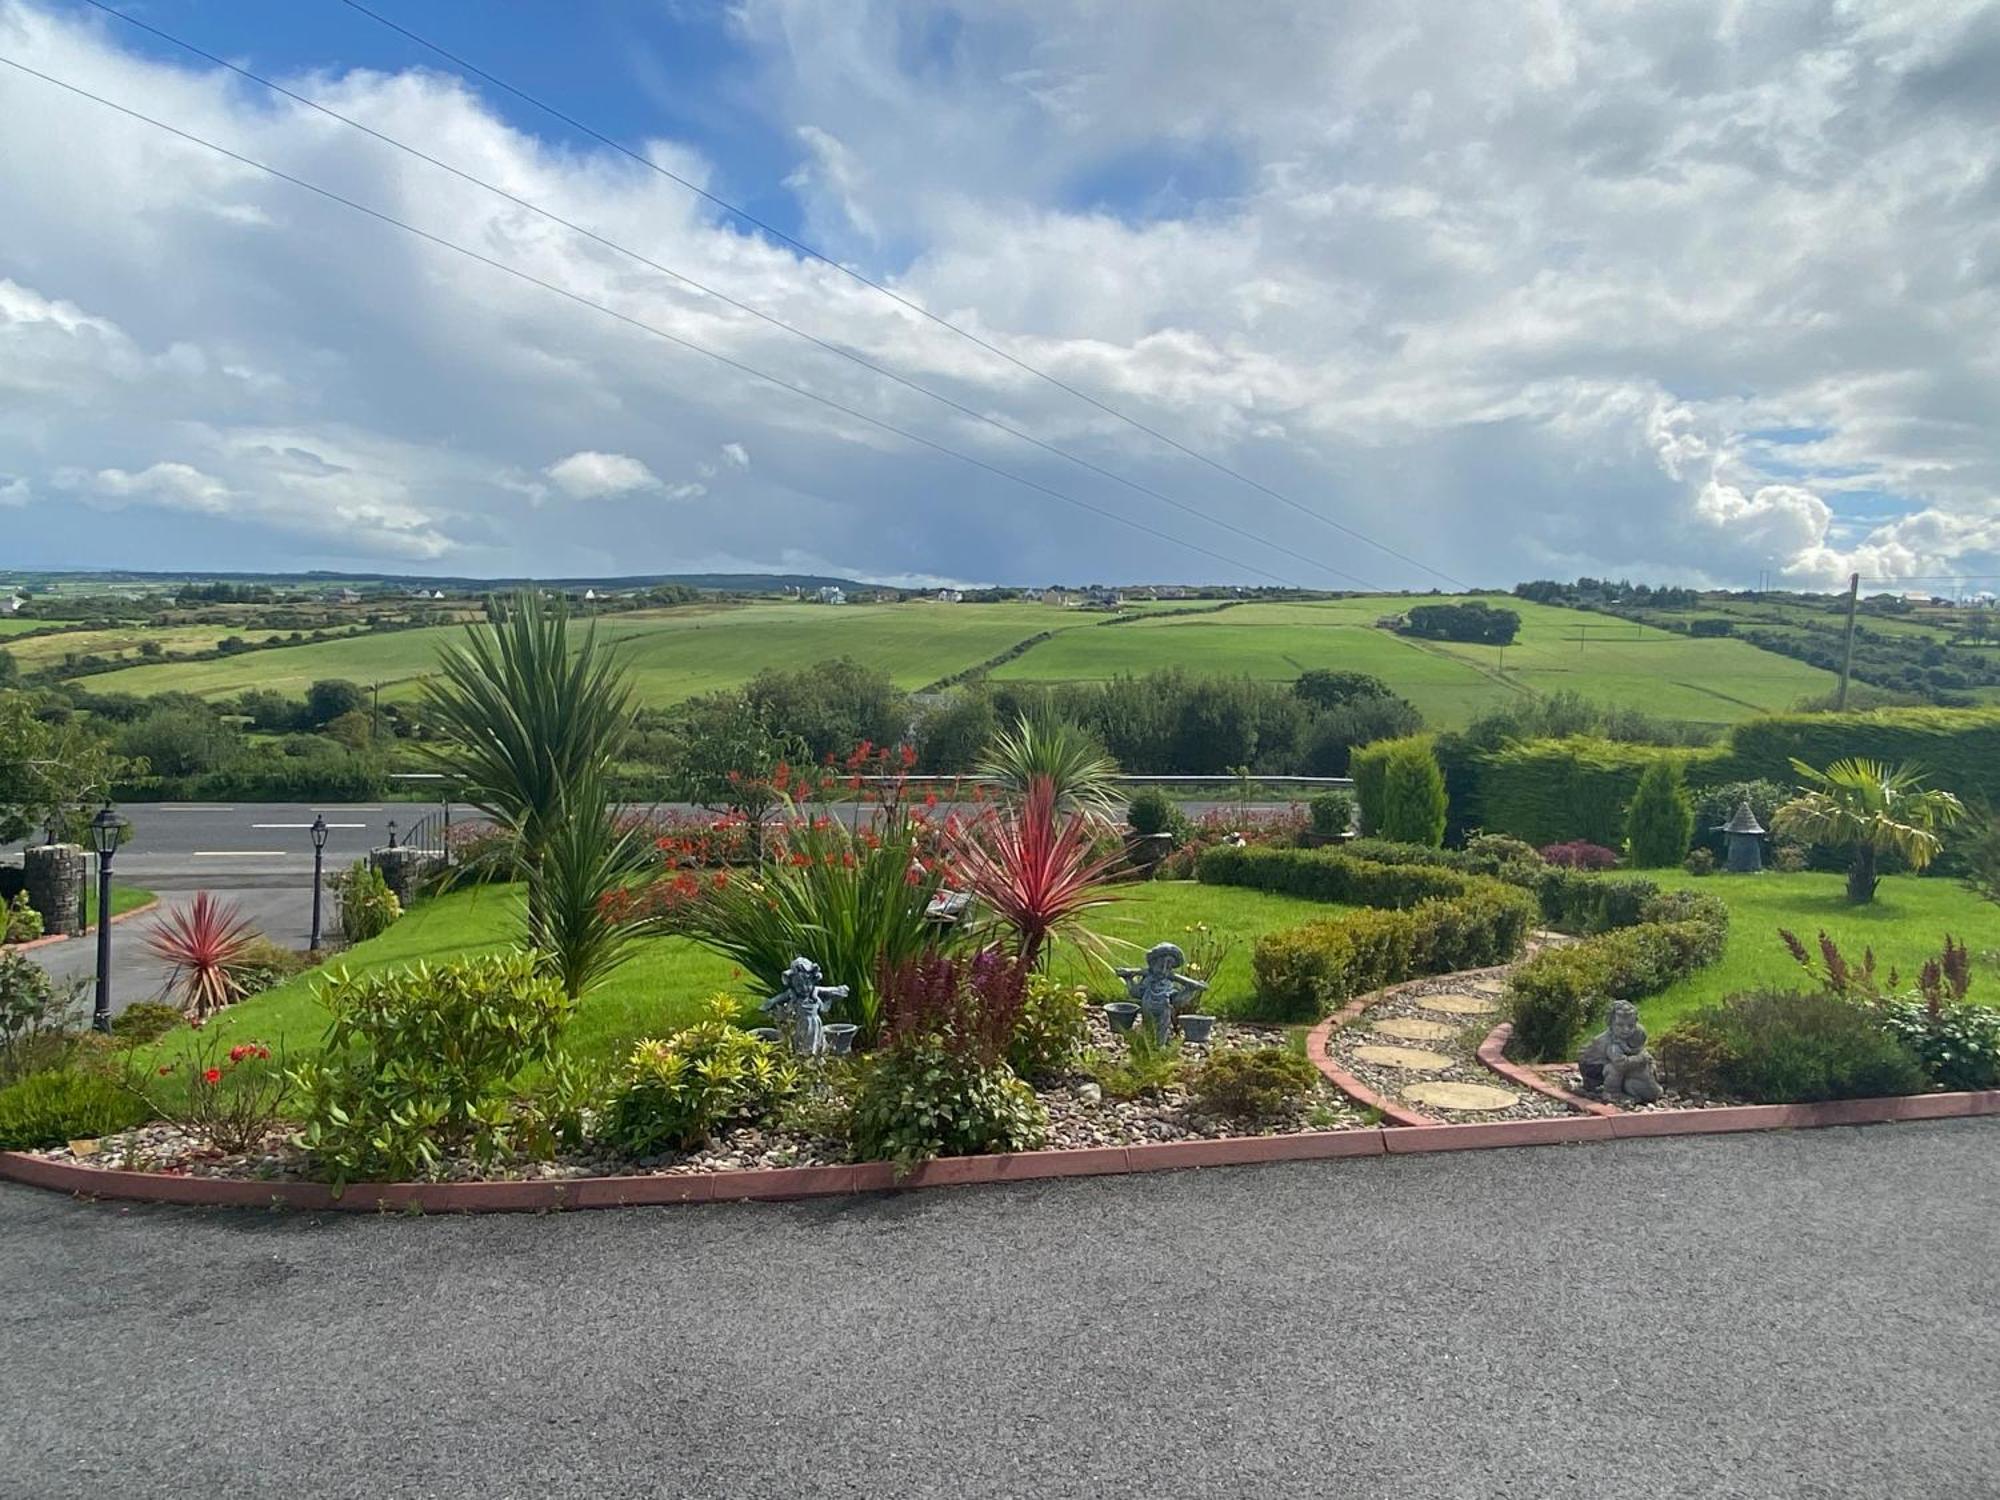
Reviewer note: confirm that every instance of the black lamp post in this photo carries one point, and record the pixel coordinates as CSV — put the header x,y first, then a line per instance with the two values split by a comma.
x,y
392,833
104,834
319,857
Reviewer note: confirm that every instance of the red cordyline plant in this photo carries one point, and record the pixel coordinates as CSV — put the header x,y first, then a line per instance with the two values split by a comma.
x,y
1037,870
207,944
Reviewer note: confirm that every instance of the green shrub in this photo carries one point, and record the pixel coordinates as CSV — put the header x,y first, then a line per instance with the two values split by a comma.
x,y
1144,1068
418,1064
1413,794
367,905
1782,1047
1959,748
1659,825
1700,861
1052,1029
675,1094
1957,1044
1332,814
1152,811
921,1099
1577,901
1554,791
1561,993
1257,1086
19,922
53,1108
37,1018
1328,875
146,1021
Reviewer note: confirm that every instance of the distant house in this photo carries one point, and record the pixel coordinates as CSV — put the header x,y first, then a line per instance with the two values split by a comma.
x,y
1059,598
830,594
11,604
346,596
950,596
1103,598
1391,622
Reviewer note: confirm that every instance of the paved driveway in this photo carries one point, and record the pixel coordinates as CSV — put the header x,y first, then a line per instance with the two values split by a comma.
x,y
1764,1317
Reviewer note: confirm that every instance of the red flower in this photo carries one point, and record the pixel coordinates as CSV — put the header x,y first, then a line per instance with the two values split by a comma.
x,y
213,1075
238,1053
165,1070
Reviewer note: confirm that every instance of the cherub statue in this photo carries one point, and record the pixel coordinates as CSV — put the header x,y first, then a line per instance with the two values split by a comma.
x,y
1615,1062
802,1002
1158,989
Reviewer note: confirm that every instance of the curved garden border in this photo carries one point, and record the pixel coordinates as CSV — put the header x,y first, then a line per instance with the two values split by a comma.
x,y
70,937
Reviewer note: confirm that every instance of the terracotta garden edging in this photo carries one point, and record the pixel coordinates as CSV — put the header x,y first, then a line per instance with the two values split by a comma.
x,y
546,1195
70,937
1346,1082
1492,1053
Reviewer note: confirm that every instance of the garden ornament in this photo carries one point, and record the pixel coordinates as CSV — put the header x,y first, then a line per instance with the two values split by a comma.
x,y
1158,989
1616,1063
802,1002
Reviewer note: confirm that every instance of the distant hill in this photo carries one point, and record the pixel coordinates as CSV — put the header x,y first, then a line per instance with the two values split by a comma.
x,y
720,582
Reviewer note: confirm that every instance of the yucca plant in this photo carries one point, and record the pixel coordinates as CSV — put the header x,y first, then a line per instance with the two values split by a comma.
x,y
1057,751
1035,868
1871,809
588,860
208,943
527,714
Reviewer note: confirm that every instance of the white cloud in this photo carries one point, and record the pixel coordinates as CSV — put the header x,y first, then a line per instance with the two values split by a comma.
x,y
13,492
736,455
589,475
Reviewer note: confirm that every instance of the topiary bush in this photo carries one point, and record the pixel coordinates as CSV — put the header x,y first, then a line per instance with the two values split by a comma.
x,y
1659,825
54,1108
1152,811
1783,1047
1261,1085
675,1094
1413,794
1332,814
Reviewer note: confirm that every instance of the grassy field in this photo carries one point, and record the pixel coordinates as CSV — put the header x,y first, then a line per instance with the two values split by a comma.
x,y
1706,681
667,985
1905,924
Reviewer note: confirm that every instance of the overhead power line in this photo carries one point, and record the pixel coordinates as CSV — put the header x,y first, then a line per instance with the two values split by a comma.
x,y
919,309
755,312
643,326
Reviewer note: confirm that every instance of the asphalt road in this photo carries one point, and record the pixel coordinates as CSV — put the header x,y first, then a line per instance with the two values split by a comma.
x,y
1764,1317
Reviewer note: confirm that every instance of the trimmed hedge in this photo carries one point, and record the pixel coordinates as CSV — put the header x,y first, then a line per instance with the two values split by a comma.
x,y
1303,973
1369,766
1553,791
1556,996
1958,749
1329,875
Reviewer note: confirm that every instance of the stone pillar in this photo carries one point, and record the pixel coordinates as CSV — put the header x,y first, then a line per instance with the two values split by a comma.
x,y
54,876
401,870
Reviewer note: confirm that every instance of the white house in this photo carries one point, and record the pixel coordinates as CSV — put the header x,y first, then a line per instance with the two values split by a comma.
x,y
11,604
950,596
831,594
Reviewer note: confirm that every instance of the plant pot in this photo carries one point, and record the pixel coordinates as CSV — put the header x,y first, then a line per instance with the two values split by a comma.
x,y
765,1034
1145,851
1121,1014
839,1037
1196,1028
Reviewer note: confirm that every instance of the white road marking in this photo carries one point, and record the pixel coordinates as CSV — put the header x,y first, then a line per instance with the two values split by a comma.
x,y
197,809
345,808
240,853
307,825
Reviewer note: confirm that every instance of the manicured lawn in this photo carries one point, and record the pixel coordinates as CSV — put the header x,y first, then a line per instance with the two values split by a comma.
x,y
667,985
124,898
1905,924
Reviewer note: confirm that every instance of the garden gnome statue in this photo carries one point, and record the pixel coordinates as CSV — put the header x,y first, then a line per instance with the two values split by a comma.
x,y
1615,1062
1158,989
1746,853
802,1002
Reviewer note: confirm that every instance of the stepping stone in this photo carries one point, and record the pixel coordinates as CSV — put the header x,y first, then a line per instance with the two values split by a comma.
x,y
1439,1094
1411,1029
1409,1059
1460,1005
1487,987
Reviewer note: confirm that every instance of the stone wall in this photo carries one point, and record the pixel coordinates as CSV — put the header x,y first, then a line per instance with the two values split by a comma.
x,y
54,876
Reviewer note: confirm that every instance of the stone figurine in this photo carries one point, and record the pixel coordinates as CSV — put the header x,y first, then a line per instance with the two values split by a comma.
x,y
802,1002
1158,989
1615,1062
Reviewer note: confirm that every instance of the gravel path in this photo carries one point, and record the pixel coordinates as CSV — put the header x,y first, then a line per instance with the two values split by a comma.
x,y
1761,1317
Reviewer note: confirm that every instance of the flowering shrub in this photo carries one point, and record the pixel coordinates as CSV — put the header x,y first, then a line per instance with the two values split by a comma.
x,y
1580,854
674,1094
232,1099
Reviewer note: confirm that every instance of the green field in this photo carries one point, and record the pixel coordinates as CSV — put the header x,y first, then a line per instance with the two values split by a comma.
x,y
1905,924
667,985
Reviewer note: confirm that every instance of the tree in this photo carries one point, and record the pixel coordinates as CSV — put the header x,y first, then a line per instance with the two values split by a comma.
x,y
1659,825
1871,809
1413,795
526,717
1334,734
181,742
328,699
1474,622
722,752
50,770
951,736
832,706
1323,688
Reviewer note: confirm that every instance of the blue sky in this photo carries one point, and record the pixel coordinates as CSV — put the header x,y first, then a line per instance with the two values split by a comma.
x,y
1512,294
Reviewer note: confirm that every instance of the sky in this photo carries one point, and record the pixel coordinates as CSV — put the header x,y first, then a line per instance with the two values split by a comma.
x,y
1357,295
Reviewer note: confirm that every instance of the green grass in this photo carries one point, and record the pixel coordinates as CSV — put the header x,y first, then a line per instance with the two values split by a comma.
x,y
124,898
667,984
1905,924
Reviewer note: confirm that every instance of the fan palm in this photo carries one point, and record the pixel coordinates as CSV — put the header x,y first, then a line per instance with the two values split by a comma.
x,y
527,716
1058,751
1872,809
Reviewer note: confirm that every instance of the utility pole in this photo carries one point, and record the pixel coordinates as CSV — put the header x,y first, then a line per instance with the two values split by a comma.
x,y
1847,646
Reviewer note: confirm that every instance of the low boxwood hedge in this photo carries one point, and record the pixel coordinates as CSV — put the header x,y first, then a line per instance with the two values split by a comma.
x,y
1329,875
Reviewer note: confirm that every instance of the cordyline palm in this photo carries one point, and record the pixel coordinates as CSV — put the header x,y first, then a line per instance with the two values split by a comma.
x,y
206,944
527,716
1871,808
1058,751
1034,867
574,891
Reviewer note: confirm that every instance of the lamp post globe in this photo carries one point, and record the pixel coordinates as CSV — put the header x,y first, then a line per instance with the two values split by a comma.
x,y
104,831
319,857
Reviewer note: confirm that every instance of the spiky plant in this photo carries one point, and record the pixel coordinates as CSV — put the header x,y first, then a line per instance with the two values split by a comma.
x,y
1869,808
587,861
1035,868
207,943
526,715
1058,751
